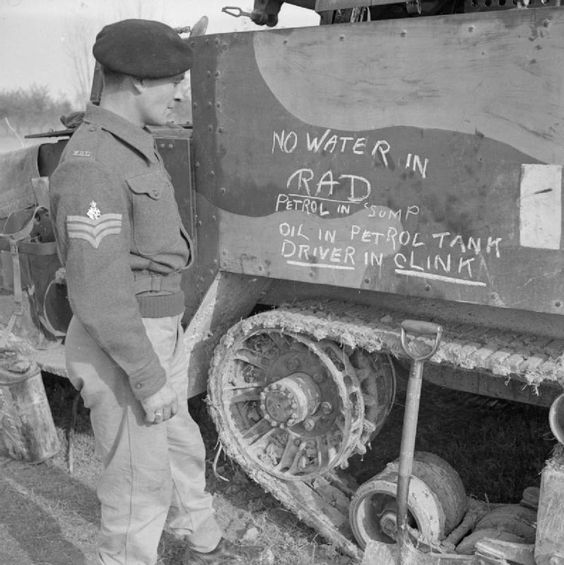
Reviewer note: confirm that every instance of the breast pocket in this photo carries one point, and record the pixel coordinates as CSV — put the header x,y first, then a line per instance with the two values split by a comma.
x,y
154,213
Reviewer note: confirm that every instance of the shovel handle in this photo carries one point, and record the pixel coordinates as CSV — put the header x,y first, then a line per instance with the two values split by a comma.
x,y
409,429
418,328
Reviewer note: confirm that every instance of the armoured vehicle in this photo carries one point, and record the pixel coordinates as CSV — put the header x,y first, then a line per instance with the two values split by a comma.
x,y
338,180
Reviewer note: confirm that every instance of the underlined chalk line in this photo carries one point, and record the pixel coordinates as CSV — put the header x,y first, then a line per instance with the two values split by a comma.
x,y
320,265
423,275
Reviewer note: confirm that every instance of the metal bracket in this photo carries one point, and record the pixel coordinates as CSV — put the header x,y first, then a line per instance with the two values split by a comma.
x,y
235,11
413,7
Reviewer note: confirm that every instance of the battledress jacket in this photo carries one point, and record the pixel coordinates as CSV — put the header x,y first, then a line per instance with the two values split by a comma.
x,y
121,240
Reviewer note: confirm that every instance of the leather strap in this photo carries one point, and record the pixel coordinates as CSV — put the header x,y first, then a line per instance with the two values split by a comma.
x,y
11,240
30,247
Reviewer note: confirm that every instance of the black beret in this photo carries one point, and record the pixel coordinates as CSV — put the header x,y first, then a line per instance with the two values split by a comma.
x,y
143,49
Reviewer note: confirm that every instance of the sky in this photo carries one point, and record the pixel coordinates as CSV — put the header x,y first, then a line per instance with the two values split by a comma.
x,y
38,37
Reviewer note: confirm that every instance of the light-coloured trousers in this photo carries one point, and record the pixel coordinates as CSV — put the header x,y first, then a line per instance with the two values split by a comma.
x,y
150,470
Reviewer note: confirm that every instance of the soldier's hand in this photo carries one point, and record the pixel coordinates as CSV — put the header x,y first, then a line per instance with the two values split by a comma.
x,y
161,406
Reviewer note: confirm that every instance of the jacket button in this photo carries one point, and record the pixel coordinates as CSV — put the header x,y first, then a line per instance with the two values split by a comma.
x,y
138,385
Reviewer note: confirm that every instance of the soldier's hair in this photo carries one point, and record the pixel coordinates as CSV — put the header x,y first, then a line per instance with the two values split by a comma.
x,y
112,77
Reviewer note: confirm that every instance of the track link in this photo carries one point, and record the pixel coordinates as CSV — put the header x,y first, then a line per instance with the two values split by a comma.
x,y
529,358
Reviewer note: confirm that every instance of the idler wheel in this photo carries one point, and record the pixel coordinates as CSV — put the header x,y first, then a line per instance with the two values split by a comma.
x,y
285,403
437,502
511,518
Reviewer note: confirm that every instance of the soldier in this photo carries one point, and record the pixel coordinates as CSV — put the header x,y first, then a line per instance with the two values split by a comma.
x,y
123,245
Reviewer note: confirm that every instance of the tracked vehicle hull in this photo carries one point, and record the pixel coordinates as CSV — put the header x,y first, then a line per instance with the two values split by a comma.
x,y
345,178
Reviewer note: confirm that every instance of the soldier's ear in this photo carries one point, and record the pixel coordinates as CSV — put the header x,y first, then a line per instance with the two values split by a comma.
x,y
137,84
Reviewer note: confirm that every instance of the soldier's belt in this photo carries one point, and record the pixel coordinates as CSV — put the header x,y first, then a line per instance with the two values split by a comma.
x,y
146,281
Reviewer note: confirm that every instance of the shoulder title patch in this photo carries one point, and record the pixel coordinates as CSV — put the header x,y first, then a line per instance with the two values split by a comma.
x,y
94,227
81,153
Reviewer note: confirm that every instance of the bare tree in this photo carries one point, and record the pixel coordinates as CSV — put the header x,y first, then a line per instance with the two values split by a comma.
x,y
31,110
79,38
80,34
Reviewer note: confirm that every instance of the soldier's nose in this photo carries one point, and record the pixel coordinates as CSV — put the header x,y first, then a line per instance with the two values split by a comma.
x,y
179,93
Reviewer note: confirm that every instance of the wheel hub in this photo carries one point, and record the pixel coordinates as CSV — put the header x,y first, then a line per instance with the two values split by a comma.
x,y
389,523
290,400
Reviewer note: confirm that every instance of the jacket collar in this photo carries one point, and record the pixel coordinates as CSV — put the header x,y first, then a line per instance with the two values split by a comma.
x,y
138,138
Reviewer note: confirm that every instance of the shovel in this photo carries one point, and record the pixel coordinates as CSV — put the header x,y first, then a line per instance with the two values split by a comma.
x,y
403,551
418,356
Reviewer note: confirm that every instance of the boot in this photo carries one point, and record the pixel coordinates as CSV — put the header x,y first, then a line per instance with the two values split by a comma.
x,y
225,552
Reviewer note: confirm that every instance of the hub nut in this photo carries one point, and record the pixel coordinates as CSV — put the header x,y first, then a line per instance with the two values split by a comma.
x,y
318,377
309,424
290,400
326,408
388,523
292,364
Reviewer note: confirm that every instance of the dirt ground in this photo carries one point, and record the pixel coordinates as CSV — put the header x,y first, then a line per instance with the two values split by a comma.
x,y
49,516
